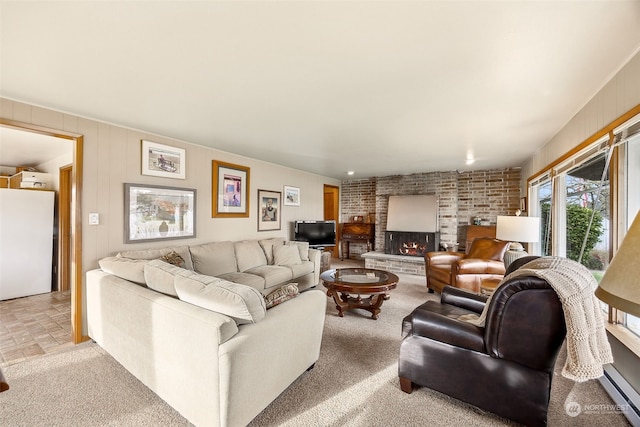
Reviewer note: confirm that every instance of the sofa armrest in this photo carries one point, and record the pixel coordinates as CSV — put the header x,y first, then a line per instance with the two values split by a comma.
x,y
315,257
267,356
442,258
478,266
463,299
439,327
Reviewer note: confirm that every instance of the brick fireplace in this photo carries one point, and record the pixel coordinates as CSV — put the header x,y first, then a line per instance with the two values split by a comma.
x,y
461,196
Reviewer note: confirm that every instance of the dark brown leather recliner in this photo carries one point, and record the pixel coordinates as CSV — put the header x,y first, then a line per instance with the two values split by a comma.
x,y
485,260
506,366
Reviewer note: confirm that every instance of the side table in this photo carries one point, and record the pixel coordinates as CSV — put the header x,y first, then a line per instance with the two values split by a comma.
x,y
487,286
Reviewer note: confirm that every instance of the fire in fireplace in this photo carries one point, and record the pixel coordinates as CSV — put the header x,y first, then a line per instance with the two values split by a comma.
x,y
410,243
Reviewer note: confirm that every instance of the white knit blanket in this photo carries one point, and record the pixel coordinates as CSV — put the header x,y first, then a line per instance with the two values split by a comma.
x,y
587,345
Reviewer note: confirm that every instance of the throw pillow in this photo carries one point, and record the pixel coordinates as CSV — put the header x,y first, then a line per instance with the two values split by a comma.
x,y
125,268
149,254
249,254
159,276
267,247
280,295
303,247
242,303
286,255
173,258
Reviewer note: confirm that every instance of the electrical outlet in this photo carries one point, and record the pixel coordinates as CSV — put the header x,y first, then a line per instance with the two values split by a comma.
x,y
94,218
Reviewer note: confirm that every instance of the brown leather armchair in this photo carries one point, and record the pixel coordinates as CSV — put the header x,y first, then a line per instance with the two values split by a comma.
x,y
506,366
484,261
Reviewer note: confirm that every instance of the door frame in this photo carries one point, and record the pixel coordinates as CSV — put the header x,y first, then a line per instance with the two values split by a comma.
x,y
76,218
64,228
335,191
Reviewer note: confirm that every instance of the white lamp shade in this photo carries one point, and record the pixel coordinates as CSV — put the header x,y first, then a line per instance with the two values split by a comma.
x,y
518,228
620,285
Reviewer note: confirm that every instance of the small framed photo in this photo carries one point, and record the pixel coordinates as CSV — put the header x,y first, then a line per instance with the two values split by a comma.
x,y
269,210
523,204
155,213
163,160
230,188
291,196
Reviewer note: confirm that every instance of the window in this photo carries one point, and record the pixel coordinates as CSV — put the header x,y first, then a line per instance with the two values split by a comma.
x,y
540,206
588,199
631,190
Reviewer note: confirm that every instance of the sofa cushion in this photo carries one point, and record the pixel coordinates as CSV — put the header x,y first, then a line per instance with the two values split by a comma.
x,y
272,274
487,248
286,255
303,249
252,280
267,247
214,259
183,251
249,254
299,270
159,276
243,304
125,268
282,294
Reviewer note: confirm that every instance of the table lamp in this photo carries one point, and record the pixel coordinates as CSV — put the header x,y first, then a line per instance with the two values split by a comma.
x,y
620,285
517,229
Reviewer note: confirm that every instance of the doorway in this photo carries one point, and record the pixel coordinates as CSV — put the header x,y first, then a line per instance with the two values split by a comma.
x,y
75,218
332,212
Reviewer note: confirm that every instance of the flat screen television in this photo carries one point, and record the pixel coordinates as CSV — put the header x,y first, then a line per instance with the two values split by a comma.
x,y
317,233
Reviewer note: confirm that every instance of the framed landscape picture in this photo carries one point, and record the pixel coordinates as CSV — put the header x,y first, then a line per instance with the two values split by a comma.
x,y
230,188
163,160
291,196
269,210
154,212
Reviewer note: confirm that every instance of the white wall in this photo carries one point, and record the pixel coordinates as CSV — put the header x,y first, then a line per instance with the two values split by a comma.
x,y
618,96
53,167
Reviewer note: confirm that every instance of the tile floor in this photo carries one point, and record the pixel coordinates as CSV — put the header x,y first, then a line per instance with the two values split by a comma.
x,y
34,325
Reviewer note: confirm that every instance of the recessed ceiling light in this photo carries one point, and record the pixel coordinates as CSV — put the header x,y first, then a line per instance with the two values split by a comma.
x,y
470,161
350,172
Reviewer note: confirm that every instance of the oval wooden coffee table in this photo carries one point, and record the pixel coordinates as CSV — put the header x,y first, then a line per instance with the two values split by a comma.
x,y
347,285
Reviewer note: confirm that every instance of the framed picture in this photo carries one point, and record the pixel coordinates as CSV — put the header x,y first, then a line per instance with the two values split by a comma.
x,y
230,198
154,212
523,204
268,210
291,196
163,160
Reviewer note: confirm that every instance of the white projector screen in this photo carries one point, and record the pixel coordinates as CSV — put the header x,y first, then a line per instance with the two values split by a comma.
x,y
413,213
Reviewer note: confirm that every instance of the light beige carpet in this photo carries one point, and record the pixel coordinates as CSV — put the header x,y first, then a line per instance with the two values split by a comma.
x,y
353,384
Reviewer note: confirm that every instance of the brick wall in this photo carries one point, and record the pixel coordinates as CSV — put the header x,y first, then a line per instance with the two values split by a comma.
x,y
358,198
461,196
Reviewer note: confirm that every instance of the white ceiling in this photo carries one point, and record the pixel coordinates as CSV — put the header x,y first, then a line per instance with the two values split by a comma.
x,y
379,87
21,148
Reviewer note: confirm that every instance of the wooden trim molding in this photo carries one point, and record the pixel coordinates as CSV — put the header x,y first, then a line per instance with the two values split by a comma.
x,y
76,218
625,336
593,138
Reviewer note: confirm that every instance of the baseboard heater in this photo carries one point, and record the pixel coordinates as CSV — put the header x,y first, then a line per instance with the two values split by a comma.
x,y
622,394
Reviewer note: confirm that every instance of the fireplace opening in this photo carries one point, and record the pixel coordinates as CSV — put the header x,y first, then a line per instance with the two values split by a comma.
x,y
409,243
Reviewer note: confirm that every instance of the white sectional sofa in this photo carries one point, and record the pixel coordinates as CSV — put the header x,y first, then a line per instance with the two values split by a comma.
x,y
202,337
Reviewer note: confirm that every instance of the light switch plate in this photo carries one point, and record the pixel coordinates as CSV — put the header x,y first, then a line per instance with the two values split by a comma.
x,y
94,218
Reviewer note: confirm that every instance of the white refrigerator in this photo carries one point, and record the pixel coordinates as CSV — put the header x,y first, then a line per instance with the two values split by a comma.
x,y
26,242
